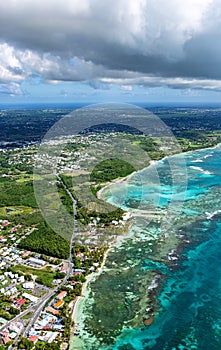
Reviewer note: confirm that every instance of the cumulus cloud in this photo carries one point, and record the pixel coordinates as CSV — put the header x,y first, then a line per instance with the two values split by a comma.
x,y
126,87
126,42
10,66
12,89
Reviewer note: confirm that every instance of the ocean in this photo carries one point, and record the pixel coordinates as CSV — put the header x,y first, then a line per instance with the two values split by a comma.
x,y
168,270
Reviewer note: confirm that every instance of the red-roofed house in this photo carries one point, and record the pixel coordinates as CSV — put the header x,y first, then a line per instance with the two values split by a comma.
x,y
20,301
61,295
52,311
34,339
6,340
6,223
26,254
4,333
45,328
63,269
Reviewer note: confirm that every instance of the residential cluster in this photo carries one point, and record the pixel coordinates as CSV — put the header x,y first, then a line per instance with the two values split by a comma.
x,y
49,326
20,292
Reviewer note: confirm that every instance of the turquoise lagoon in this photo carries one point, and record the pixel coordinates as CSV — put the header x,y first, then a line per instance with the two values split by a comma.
x,y
168,267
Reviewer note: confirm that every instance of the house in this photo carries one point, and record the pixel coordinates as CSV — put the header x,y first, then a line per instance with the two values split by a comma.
x,y
49,337
6,340
63,269
5,333
59,304
58,327
20,301
33,332
38,262
25,254
6,223
52,336
34,338
52,311
28,285
80,255
21,279
13,335
30,297
16,327
61,295
46,321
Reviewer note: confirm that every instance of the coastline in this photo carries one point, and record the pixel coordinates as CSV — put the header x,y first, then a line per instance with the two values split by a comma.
x,y
77,308
85,288
84,291
152,163
122,179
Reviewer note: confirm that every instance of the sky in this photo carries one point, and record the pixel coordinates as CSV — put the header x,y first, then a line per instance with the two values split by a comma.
x,y
142,51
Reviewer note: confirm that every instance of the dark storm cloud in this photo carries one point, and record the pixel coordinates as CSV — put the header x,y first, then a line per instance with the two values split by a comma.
x,y
148,42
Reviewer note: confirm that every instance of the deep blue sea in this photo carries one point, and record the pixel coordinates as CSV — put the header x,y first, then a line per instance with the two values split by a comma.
x,y
189,297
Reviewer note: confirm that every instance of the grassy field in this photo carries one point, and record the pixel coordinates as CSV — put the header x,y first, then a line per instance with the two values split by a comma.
x,y
27,177
15,210
44,274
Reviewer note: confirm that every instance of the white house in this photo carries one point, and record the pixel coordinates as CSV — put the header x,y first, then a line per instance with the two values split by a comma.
x,y
28,285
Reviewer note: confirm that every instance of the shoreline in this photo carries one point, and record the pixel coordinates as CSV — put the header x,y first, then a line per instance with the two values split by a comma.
x,y
93,275
84,290
122,179
152,163
119,238
76,312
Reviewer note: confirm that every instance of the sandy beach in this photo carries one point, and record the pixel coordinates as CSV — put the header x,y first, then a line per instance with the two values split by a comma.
x,y
120,180
99,193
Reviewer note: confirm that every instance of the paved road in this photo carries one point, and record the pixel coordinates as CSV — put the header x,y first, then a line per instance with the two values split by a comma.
x,y
41,304
38,309
75,230
17,318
